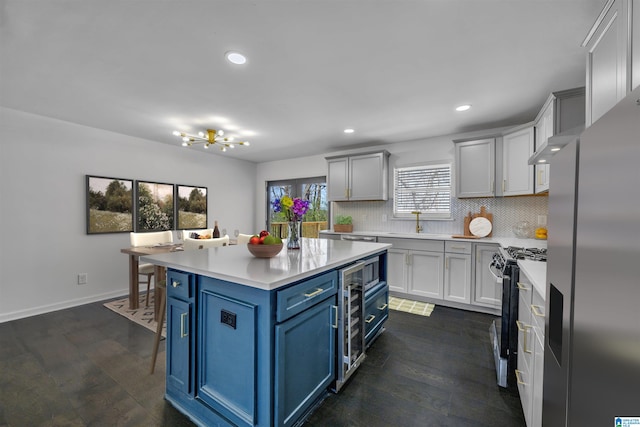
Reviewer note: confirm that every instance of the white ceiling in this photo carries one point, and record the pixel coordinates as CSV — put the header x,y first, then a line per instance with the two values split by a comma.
x,y
392,70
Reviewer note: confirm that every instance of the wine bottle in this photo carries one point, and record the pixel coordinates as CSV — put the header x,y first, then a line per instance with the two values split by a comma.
x,y
216,232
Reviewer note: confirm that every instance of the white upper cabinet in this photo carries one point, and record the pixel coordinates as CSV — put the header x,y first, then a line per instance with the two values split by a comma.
x,y
613,68
475,168
517,175
358,177
563,111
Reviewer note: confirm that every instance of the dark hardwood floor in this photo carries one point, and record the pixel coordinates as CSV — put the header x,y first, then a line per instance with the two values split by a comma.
x,y
87,366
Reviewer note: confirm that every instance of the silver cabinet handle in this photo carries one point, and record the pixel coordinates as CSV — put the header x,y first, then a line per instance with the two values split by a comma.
x,y
335,316
522,286
446,263
183,331
370,318
175,283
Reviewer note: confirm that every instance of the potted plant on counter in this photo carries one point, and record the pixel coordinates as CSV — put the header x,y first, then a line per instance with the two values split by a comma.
x,y
343,224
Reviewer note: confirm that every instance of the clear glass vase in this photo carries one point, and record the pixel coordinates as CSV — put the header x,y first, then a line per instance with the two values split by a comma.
x,y
295,234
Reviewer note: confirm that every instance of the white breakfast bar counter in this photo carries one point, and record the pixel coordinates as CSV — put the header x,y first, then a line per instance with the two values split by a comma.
x,y
252,341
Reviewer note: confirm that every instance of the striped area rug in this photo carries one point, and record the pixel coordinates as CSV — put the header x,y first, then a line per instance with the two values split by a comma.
x,y
409,306
142,316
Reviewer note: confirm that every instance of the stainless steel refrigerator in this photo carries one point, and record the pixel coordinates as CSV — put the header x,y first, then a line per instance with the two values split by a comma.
x,y
592,331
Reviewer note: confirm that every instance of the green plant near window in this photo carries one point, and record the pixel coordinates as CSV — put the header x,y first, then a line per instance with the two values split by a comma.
x,y
343,220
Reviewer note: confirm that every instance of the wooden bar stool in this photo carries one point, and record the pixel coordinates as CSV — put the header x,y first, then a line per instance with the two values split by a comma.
x,y
161,292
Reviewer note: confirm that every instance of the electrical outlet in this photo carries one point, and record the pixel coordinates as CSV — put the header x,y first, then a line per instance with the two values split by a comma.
x,y
82,278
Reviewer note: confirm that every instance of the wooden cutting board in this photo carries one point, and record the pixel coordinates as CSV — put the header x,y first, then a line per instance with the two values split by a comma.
x,y
467,220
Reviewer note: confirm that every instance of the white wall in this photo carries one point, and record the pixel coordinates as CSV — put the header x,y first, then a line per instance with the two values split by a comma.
x,y
43,163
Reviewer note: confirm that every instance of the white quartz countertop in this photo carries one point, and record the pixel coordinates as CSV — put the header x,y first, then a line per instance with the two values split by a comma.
x,y
236,264
502,241
536,271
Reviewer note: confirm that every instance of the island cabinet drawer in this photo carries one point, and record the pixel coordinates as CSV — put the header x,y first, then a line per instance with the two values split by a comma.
x,y
376,311
414,244
457,247
180,284
299,297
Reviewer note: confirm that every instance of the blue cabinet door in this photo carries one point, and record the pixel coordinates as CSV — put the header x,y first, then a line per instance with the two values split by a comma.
x,y
304,360
228,357
179,339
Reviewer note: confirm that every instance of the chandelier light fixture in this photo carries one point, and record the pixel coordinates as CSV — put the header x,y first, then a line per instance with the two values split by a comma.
x,y
211,137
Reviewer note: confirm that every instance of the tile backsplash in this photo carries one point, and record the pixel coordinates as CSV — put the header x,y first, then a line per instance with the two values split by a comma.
x,y
507,211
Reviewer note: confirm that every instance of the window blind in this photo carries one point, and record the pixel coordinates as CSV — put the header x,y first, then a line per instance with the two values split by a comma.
x,y
424,188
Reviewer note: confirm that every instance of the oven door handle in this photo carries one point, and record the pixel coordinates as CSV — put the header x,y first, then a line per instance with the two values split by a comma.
x,y
498,278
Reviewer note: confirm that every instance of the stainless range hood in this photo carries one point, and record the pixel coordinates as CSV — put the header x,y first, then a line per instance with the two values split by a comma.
x,y
553,144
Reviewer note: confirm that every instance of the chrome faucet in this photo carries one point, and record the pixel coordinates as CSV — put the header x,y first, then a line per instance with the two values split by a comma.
x,y
418,227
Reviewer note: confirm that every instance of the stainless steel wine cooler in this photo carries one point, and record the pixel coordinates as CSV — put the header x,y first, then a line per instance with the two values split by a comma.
x,y
354,281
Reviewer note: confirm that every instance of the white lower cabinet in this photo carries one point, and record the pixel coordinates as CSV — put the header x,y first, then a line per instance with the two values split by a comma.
x,y
530,370
415,272
487,290
397,270
425,274
415,267
457,272
442,271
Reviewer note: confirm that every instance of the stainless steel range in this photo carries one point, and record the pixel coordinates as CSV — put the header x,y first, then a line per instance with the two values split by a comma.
x,y
503,331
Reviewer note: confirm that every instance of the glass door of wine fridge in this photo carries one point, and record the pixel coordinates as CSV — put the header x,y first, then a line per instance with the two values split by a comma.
x,y
350,322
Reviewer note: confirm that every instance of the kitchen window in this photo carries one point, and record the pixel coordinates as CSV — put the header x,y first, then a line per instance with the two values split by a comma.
x,y
425,188
312,189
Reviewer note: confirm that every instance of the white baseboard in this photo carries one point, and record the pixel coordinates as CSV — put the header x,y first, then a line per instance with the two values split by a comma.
x,y
34,311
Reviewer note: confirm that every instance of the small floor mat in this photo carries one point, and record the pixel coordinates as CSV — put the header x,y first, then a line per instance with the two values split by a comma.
x,y
410,306
142,315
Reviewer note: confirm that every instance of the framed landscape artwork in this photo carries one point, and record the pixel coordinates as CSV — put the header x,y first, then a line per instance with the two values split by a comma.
x,y
109,205
192,207
155,206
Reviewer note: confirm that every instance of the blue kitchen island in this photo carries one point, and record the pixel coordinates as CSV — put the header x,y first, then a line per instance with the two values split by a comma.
x,y
252,341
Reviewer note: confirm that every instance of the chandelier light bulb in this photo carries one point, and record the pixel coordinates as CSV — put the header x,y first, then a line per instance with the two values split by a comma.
x,y
176,133
184,144
220,132
185,138
201,134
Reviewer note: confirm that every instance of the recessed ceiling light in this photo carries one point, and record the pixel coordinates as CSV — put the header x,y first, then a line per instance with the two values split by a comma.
x,y
463,107
236,58
349,131
556,149
542,161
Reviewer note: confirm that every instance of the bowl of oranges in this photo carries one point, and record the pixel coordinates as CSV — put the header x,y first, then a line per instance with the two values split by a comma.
x,y
264,245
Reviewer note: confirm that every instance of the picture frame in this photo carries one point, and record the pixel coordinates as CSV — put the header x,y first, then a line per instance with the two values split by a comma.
x,y
191,207
155,206
109,205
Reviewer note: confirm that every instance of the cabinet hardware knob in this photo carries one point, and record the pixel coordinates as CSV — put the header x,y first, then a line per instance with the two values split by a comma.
x,y
175,283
